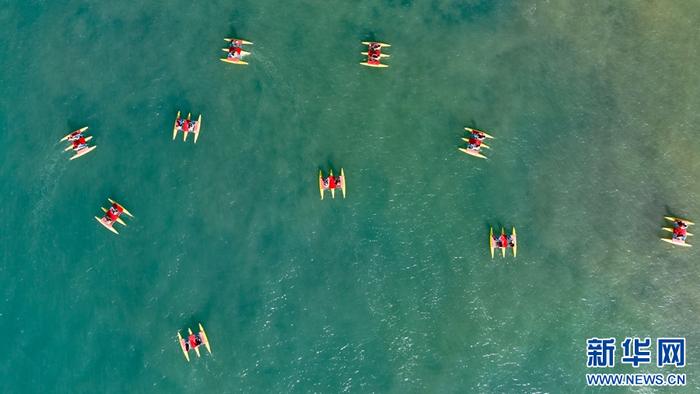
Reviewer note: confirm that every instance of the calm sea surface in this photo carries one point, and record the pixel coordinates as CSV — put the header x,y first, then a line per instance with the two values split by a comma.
x,y
595,109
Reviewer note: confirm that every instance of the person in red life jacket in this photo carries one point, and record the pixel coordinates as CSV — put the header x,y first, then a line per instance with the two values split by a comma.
x,y
116,209
79,144
478,135
503,241
192,342
374,57
234,50
680,231
331,182
186,125
75,136
110,216
338,182
474,144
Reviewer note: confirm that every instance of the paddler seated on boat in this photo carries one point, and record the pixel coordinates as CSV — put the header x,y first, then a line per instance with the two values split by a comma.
x,y
330,183
186,125
501,241
110,216
79,144
338,182
375,47
511,241
76,135
374,58
478,135
192,342
234,51
474,144
115,209
680,231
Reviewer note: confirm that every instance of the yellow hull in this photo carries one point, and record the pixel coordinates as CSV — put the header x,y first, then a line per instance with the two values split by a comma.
x,y
244,42
374,65
515,243
320,183
485,134
674,242
472,153
83,152
491,246
205,339
234,61
198,128
673,219
381,44
175,125
182,346
342,179
109,227
80,130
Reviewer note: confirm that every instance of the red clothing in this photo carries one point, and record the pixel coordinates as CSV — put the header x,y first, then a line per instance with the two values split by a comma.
x,y
118,207
79,141
186,125
193,341
373,56
236,50
679,232
474,141
504,240
331,182
112,217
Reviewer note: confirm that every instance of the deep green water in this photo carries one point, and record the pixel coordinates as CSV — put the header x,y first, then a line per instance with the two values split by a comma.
x,y
595,109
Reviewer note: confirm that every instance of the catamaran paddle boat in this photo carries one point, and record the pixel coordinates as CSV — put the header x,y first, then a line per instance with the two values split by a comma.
x,y
112,215
679,231
374,54
475,142
235,52
331,183
78,143
193,342
503,242
187,126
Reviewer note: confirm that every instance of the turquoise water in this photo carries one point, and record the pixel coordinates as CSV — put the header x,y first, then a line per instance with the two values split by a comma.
x,y
594,107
